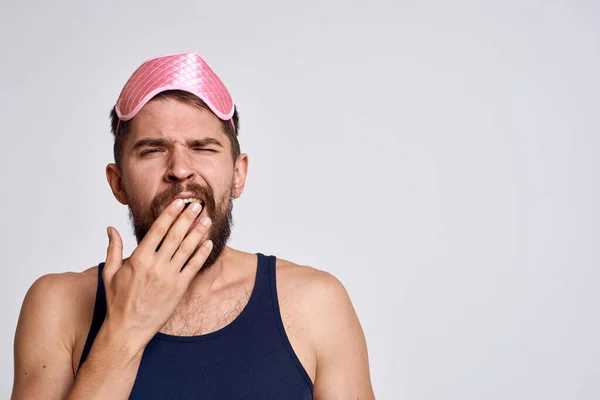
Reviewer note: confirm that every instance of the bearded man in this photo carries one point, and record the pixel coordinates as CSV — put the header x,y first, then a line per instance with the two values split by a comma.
x,y
186,316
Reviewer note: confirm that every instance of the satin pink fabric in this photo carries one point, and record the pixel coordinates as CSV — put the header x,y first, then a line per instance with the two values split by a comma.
x,y
181,71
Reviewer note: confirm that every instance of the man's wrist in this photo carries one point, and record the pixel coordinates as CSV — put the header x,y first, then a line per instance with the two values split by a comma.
x,y
118,345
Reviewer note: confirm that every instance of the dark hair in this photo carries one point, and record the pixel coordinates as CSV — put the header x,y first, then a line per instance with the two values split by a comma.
x,y
186,98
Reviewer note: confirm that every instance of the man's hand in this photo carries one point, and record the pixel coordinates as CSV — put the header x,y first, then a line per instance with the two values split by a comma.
x,y
143,291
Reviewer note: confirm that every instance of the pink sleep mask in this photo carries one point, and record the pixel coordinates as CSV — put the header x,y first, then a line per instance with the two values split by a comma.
x,y
181,71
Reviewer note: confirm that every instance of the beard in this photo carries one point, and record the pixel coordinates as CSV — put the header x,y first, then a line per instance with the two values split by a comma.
x,y
220,213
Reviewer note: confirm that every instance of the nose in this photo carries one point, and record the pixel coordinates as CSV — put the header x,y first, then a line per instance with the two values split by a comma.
x,y
180,168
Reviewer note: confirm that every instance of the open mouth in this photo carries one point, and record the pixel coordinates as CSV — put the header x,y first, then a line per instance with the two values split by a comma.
x,y
191,200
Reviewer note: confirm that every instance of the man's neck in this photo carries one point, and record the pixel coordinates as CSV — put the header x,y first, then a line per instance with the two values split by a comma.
x,y
225,270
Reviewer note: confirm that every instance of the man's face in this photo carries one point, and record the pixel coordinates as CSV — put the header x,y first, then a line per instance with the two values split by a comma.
x,y
175,148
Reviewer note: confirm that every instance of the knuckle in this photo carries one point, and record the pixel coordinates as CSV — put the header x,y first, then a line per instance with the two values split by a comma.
x,y
160,231
186,248
201,227
151,274
136,258
140,261
173,212
114,245
189,216
174,237
201,254
190,265
206,251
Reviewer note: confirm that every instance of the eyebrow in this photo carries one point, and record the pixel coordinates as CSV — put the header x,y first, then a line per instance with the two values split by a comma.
x,y
159,142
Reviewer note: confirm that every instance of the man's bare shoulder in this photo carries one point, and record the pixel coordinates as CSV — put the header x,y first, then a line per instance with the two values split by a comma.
x,y
317,312
317,291
64,286
61,297
302,275
53,314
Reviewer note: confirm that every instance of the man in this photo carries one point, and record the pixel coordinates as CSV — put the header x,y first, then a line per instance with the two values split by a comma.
x,y
186,316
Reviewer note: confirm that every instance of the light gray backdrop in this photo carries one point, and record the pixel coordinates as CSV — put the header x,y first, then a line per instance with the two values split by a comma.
x,y
439,158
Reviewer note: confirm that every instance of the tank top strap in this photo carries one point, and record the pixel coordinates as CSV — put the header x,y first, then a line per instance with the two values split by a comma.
x,y
268,314
261,299
97,319
262,309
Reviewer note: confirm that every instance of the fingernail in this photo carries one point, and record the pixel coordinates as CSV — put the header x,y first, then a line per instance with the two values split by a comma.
x,y
195,206
108,231
179,204
205,221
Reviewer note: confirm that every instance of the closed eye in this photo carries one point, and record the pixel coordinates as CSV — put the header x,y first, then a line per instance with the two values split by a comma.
x,y
149,151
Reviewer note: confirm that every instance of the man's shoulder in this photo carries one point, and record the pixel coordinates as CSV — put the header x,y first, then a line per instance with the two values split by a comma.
x,y
318,291
56,286
305,276
61,295
55,304
315,305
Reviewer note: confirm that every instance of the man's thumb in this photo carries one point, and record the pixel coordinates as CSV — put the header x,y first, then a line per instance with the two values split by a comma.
x,y
114,253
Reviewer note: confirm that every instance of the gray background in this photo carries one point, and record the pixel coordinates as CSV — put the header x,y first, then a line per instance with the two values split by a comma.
x,y
439,158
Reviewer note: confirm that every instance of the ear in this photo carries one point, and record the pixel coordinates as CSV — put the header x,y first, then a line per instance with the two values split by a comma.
x,y
239,175
115,180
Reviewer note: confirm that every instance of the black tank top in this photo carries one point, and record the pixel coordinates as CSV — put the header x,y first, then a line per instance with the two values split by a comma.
x,y
251,358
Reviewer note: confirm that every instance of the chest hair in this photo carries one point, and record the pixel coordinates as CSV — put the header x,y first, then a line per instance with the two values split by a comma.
x,y
201,315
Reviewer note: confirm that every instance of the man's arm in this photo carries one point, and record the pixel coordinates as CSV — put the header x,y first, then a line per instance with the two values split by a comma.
x,y
342,360
43,349
42,352
141,294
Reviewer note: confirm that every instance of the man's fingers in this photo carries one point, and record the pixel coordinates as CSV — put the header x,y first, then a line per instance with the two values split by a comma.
x,y
191,242
114,253
160,227
178,231
197,262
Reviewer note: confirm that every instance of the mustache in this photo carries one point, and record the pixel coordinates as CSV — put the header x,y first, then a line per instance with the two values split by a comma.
x,y
164,198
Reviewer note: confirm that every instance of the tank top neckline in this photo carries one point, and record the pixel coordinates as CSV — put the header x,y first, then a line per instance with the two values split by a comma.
x,y
251,354
261,259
